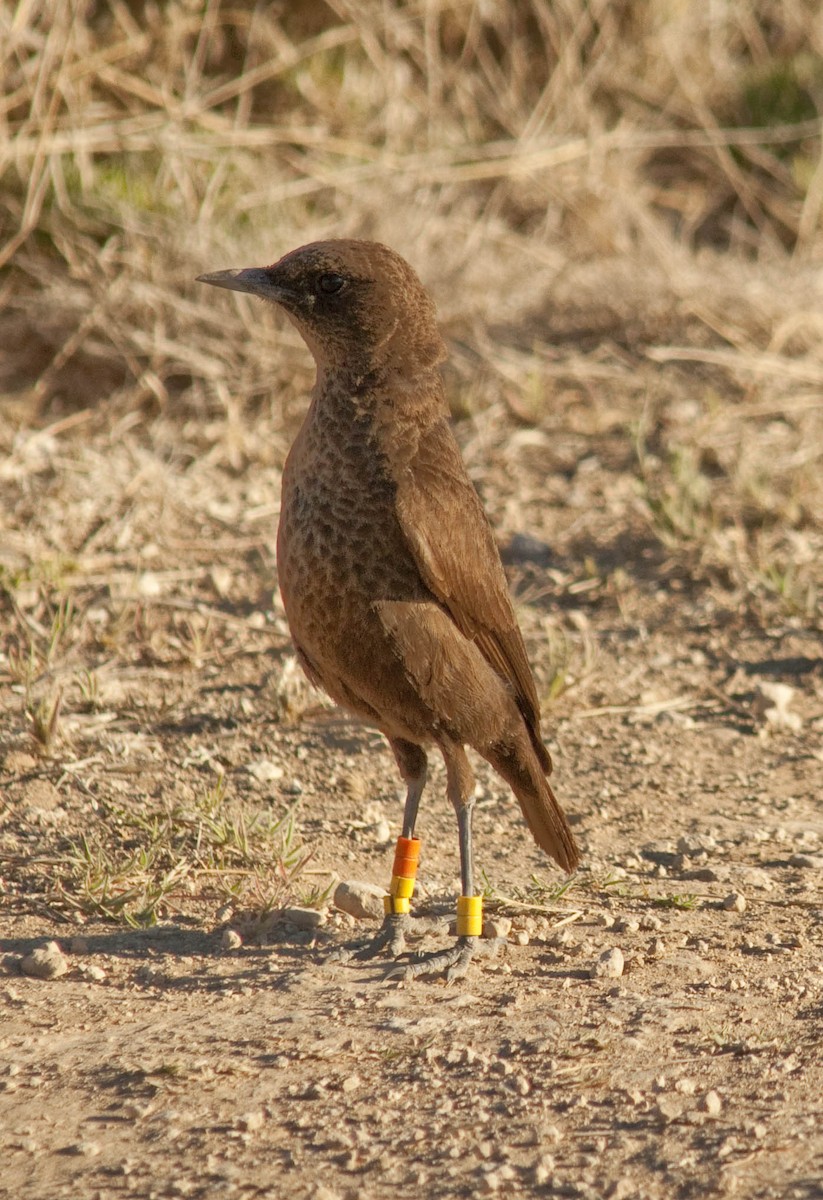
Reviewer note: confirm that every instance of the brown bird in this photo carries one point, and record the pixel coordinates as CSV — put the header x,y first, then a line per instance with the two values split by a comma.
x,y
391,580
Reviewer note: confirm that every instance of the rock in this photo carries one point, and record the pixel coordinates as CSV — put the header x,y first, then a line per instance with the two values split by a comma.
x,y
622,1189
149,585
497,927
48,962
712,1104
609,965
695,844
543,1170
360,899
671,1108
811,862
265,771
755,877
627,925
382,833
41,794
17,762
735,902
771,703
221,578
499,1178
230,940
351,1083
520,937
304,918
250,1122
86,1149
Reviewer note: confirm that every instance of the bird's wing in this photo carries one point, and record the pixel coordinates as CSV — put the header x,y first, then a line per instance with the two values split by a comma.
x,y
452,542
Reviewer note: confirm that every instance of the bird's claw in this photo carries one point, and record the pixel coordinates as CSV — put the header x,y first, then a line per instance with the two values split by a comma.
x,y
390,937
454,961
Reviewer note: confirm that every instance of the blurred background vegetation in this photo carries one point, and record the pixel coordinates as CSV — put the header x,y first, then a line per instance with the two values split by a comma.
x,y
616,204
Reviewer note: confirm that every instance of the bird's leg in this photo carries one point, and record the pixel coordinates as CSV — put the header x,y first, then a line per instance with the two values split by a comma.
x,y
455,960
411,759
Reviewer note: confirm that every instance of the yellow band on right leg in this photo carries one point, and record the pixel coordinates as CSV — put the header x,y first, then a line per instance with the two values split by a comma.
x,y
469,916
395,904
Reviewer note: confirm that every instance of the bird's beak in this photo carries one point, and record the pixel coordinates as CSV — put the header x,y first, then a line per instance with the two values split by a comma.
x,y
257,281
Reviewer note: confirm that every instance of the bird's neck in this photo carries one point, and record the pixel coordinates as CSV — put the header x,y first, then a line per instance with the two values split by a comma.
x,y
390,410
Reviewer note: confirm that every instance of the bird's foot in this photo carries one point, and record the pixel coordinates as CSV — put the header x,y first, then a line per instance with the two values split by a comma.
x,y
454,961
390,937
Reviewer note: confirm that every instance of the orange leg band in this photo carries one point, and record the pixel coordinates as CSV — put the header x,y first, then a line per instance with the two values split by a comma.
x,y
406,858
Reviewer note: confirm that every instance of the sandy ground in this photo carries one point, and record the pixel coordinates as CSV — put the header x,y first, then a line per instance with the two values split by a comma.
x,y
180,1060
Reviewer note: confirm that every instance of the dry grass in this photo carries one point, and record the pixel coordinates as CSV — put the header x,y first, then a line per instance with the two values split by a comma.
x,y
610,205
617,207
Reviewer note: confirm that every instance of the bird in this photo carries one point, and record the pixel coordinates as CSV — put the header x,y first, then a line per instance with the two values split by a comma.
x,y
392,583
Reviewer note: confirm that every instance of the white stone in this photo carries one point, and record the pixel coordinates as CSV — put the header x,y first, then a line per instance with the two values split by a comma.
x,y
609,965
360,899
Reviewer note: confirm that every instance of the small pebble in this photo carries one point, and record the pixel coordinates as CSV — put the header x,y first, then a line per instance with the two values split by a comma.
x,y
627,925
360,899
622,1190
382,833
251,1121
609,965
84,1149
809,862
304,918
265,771
351,1083
48,962
543,1170
735,902
696,844
230,940
499,1178
671,1108
520,937
497,927
712,1104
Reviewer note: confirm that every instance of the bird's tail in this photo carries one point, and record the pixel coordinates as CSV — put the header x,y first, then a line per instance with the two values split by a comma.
x,y
519,766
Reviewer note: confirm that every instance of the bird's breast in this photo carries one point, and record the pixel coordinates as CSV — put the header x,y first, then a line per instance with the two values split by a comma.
x,y
340,547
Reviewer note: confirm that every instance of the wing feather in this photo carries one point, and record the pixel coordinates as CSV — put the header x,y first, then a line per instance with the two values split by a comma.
x,y
454,547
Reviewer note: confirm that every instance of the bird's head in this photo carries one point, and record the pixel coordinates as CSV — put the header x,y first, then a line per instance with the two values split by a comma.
x,y
359,306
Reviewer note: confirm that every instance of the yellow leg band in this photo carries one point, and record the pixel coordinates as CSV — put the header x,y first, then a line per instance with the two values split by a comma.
x,y
395,904
469,916
402,888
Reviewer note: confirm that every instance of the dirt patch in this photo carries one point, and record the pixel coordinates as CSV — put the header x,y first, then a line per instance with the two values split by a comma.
x,y
177,1060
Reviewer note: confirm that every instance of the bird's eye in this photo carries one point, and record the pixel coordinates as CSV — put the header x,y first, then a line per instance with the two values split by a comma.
x,y
329,284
